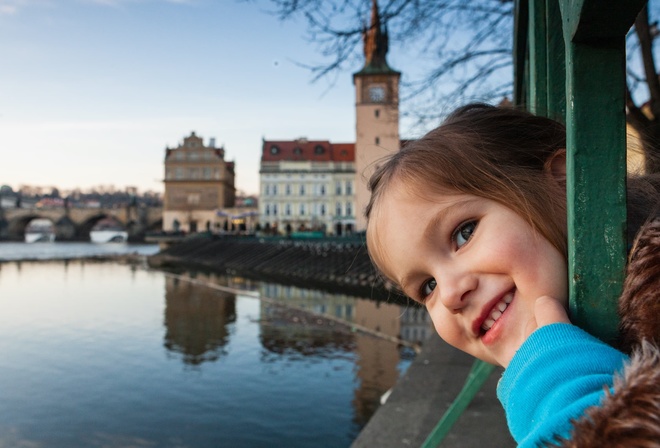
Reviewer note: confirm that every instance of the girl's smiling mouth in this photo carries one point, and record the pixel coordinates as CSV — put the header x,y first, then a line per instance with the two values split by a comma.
x,y
492,313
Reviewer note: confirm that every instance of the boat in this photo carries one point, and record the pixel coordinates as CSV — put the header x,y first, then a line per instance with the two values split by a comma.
x,y
108,231
40,231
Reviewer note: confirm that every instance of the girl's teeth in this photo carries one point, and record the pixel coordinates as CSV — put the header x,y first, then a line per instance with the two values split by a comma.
x,y
497,312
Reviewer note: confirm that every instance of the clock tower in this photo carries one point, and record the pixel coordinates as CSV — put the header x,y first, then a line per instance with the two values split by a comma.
x,y
377,111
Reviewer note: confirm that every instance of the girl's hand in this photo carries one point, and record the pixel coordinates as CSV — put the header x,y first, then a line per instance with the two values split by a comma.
x,y
548,310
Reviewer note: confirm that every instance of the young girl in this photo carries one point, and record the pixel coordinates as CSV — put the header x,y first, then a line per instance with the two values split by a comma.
x,y
470,221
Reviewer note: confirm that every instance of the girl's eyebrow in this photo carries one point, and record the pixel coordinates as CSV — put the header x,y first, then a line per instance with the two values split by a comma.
x,y
444,214
430,231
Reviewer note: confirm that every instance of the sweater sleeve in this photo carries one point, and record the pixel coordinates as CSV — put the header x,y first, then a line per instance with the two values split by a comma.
x,y
554,377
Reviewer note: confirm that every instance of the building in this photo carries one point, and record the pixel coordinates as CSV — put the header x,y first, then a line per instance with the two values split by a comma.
x,y
318,185
377,111
307,186
198,184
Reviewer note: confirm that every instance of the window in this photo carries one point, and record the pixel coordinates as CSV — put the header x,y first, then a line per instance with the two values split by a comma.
x,y
179,155
322,189
267,209
349,187
275,190
193,198
274,209
338,209
288,189
297,150
274,150
302,189
322,209
378,140
338,188
318,149
349,209
287,210
267,190
178,173
377,113
193,155
302,209
207,173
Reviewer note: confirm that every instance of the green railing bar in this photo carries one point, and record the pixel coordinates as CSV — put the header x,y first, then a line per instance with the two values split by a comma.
x,y
596,161
596,193
479,373
520,35
538,58
556,60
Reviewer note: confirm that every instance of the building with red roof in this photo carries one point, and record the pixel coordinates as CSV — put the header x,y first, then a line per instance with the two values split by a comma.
x,y
307,185
322,186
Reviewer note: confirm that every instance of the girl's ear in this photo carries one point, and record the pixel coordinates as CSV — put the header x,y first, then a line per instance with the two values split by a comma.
x,y
555,166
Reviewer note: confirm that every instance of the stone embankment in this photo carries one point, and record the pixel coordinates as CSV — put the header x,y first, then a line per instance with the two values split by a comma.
x,y
337,265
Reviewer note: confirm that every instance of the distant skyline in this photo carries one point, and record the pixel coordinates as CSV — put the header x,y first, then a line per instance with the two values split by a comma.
x,y
92,91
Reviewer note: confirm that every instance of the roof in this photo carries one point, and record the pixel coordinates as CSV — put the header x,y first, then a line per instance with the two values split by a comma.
x,y
307,150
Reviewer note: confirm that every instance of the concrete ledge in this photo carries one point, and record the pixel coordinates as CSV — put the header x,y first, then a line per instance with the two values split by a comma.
x,y
424,393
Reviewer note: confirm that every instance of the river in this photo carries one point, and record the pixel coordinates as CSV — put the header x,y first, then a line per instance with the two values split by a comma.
x,y
105,354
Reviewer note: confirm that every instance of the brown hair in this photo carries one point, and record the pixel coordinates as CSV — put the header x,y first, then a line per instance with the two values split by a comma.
x,y
493,152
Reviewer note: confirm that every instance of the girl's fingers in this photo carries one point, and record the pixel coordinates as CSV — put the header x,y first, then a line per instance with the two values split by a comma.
x,y
548,310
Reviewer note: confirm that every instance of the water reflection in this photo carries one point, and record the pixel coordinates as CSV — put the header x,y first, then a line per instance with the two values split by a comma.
x,y
196,321
276,366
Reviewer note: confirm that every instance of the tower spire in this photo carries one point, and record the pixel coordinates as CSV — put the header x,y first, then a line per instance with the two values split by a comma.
x,y
375,43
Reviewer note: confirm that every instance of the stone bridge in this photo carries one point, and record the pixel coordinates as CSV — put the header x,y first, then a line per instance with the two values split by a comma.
x,y
76,223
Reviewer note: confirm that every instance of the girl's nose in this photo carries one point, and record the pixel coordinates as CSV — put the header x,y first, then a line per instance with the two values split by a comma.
x,y
455,289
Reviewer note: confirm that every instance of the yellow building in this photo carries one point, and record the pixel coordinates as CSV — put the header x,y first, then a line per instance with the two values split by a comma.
x,y
198,184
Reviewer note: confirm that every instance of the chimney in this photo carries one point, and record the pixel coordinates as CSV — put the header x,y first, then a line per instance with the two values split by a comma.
x,y
212,142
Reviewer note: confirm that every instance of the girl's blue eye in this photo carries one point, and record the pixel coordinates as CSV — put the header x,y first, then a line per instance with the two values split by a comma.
x,y
464,232
428,287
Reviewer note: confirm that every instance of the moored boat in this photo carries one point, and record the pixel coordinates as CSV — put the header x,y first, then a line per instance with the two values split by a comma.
x,y
40,231
108,231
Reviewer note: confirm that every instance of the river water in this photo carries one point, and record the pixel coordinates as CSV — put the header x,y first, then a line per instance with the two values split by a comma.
x,y
103,354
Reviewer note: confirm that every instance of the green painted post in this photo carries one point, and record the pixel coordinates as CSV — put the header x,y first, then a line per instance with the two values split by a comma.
x,y
478,375
556,86
538,58
596,170
520,31
596,163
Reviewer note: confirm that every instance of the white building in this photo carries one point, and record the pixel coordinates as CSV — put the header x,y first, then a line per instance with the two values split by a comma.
x,y
318,185
307,186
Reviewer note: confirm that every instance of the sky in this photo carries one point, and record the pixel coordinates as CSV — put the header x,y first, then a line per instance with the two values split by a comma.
x,y
93,91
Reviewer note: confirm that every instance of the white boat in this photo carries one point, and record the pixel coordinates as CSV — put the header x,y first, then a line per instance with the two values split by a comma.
x,y
108,236
40,231
108,231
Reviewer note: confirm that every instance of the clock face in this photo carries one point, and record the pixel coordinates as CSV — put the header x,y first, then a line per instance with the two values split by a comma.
x,y
377,94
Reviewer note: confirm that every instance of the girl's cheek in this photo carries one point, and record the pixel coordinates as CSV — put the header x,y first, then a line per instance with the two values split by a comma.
x,y
446,328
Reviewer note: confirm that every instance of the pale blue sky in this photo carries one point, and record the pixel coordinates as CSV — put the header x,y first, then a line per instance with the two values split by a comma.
x,y
92,91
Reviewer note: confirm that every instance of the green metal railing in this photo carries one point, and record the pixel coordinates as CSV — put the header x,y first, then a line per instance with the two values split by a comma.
x,y
569,65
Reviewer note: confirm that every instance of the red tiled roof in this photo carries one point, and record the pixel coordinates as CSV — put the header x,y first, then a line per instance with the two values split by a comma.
x,y
307,150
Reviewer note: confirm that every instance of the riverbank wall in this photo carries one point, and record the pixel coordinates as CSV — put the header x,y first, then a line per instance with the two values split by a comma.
x,y
335,265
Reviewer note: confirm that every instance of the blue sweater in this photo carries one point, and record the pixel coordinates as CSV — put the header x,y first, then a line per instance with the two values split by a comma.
x,y
554,377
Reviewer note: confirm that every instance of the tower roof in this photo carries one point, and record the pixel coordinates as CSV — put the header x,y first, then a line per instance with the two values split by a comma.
x,y
375,45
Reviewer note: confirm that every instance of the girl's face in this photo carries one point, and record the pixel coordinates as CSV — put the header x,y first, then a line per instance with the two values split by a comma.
x,y
476,265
